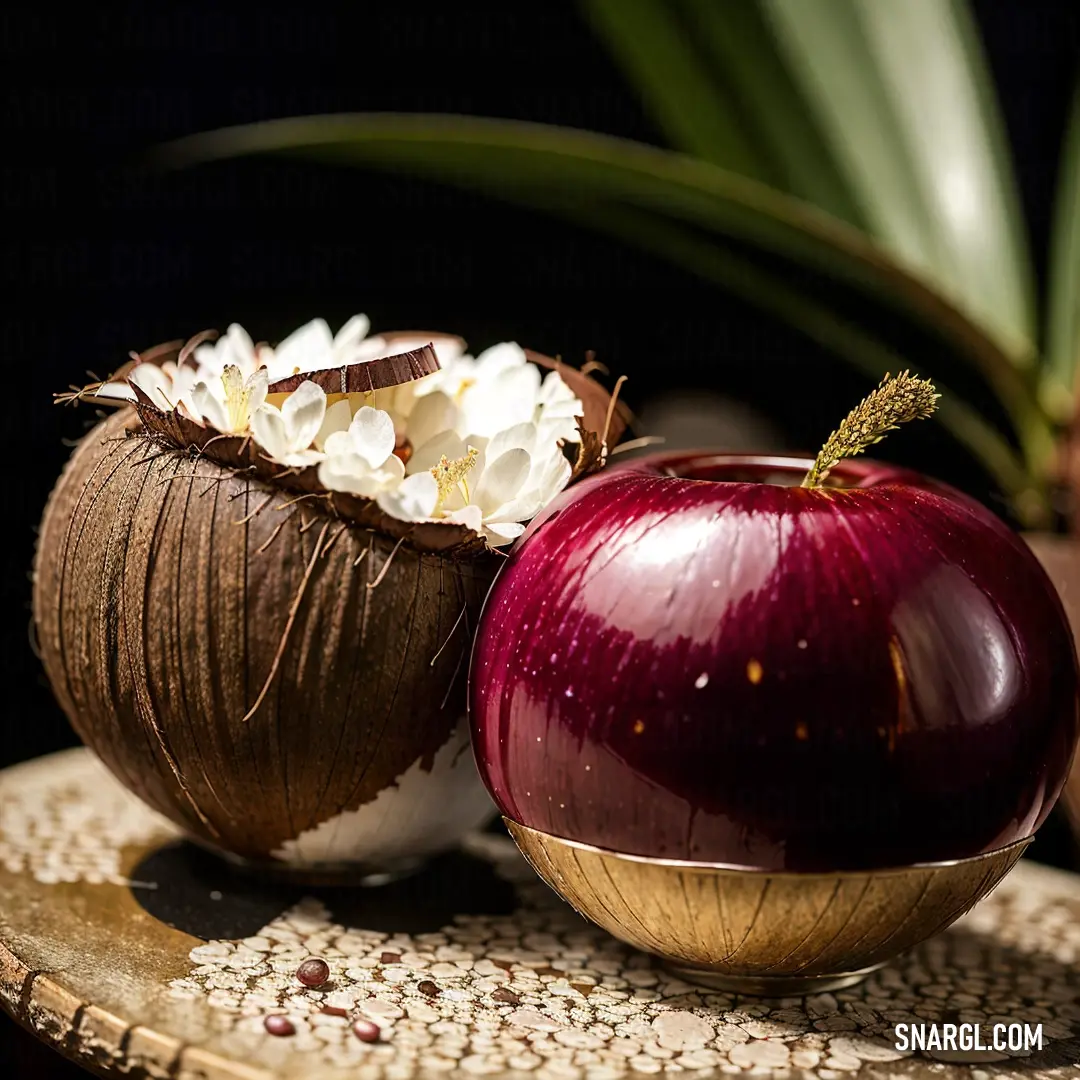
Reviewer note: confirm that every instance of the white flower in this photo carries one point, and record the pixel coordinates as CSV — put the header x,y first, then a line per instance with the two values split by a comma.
x,y
313,348
399,401
503,390
234,348
361,459
309,348
522,474
477,398
487,509
489,485
167,385
557,410
287,434
414,499
115,391
549,470
347,341
484,433
228,402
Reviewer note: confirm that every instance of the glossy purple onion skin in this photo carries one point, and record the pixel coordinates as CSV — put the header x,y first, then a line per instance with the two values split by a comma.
x,y
745,672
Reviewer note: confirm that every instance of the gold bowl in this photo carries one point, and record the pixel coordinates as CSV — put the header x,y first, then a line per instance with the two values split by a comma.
x,y
763,932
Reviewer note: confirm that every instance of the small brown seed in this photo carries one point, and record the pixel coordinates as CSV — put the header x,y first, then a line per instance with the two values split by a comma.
x,y
334,1010
389,958
313,972
279,1025
502,994
366,1031
428,987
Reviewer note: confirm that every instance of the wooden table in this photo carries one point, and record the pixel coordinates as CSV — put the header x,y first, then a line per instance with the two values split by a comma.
x,y
132,952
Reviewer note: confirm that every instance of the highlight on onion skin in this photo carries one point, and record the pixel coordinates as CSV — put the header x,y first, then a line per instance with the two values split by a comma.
x,y
691,657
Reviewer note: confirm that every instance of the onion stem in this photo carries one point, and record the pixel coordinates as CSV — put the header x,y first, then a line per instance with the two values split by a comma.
x,y
895,401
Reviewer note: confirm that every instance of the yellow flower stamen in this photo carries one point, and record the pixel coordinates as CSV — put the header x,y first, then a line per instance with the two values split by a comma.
x,y
236,398
452,474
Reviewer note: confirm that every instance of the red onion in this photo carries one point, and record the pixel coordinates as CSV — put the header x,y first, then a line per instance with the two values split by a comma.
x,y
690,658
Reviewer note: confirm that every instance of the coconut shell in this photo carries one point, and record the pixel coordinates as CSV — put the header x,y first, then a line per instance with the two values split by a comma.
x,y
277,668
173,430
252,664
368,376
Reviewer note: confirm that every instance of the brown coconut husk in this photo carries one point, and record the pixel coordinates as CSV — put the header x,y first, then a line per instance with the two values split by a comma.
x,y
248,653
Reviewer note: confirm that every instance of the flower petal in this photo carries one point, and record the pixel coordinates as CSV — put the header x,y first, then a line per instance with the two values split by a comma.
x,y
428,456
447,349
153,382
269,432
255,386
522,436
502,479
554,391
372,435
337,443
303,413
520,384
353,332
470,516
507,354
549,476
186,407
451,378
500,533
571,407
207,360
351,472
393,467
431,414
338,471
371,349
509,398
239,349
115,391
301,459
336,420
413,500
307,349
556,428
209,408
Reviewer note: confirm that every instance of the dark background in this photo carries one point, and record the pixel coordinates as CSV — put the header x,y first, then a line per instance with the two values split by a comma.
x,y
101,257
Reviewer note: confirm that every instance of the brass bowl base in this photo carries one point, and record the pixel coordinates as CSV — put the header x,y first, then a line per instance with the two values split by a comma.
x,y
769,986
770,933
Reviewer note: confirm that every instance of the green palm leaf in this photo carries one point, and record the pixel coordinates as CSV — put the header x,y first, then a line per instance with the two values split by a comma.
x,y
880,113
684,95
527,161
1063,313
863,351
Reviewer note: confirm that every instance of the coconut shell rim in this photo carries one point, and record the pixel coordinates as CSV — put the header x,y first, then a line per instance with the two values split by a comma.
x,y
183,435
